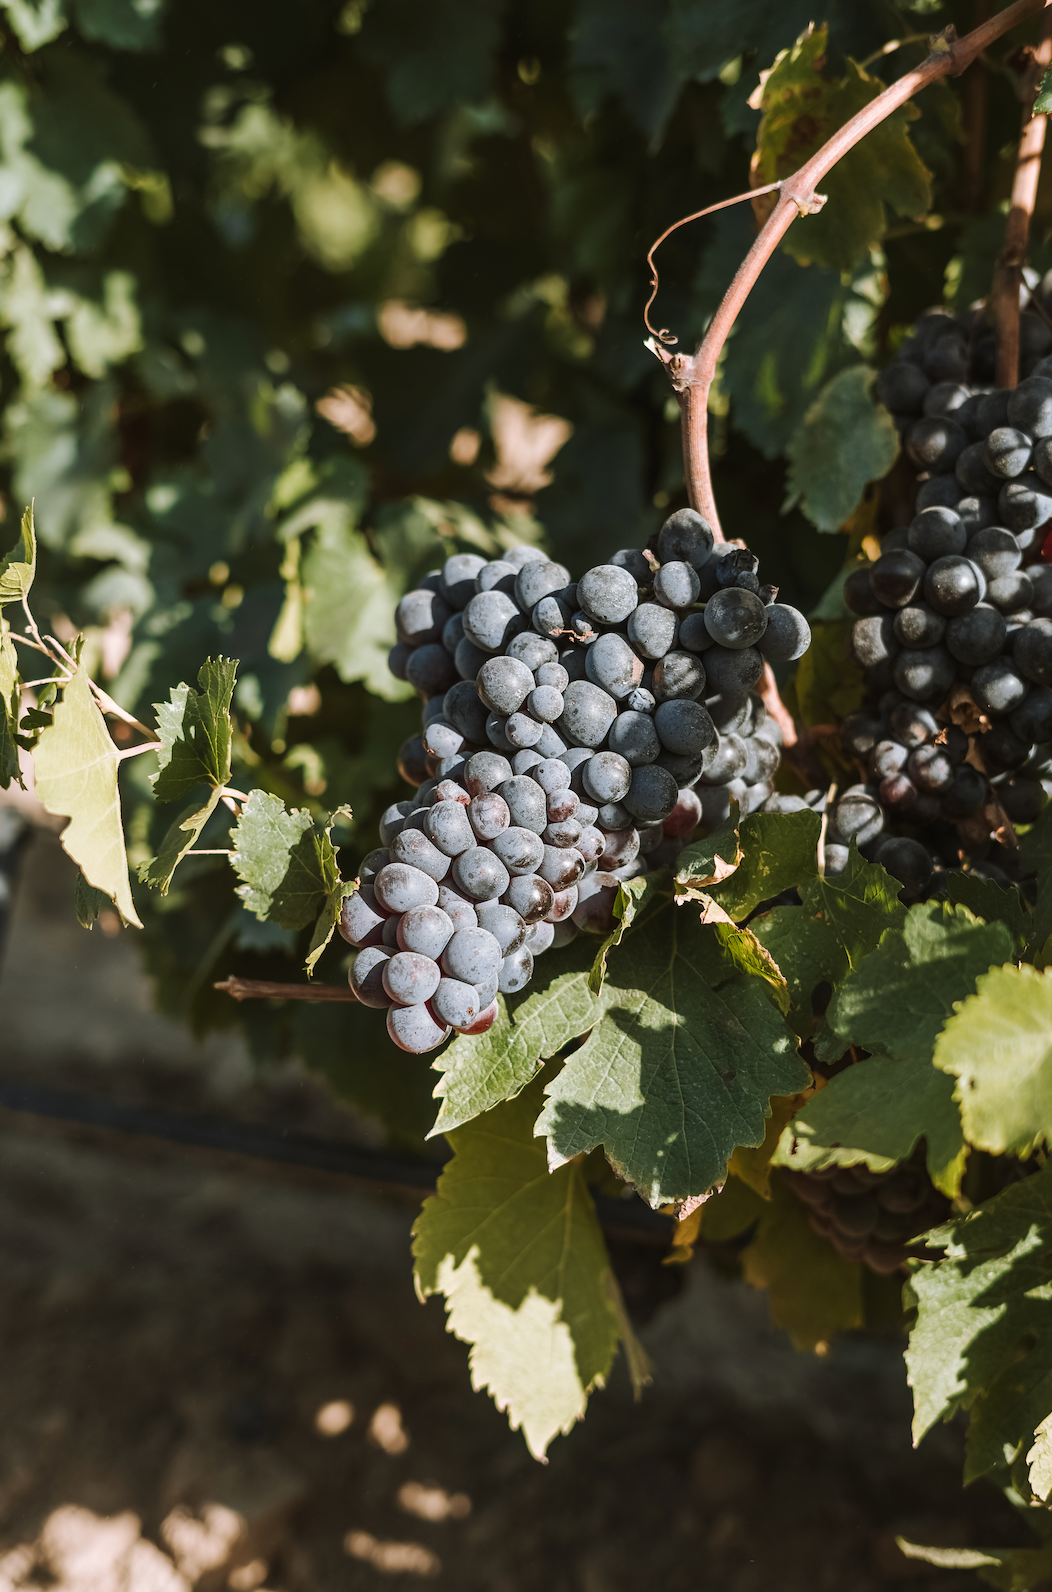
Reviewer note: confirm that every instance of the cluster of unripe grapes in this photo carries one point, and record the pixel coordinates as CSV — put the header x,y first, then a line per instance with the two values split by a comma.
x,y
954,627
871,1216
574,733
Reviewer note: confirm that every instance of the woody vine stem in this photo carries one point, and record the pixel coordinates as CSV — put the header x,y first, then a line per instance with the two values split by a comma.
x,y
692,375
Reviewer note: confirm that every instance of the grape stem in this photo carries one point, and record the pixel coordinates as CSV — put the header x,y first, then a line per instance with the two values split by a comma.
x,y
692,375
247,989
1008,277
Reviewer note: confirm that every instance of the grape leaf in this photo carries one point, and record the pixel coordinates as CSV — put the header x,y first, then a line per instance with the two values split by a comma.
x,y
87,902
481,1070
813,1294
518,1253
998,1046
801,110
195,730
873,1114
181,836
898,998
992,902
10,699
1043,101
680,1067
17,573
348,604
839,921
1010,1569
36,22
981,1335
75,768
636,899
828,685
844,441
778,851
288,867
707,861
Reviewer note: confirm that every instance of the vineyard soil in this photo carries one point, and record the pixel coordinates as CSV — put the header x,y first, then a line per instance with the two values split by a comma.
x,y
171,1327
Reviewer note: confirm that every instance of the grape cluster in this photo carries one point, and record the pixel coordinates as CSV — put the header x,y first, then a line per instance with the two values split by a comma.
x,y
574,733
950,359
871,1216
956,613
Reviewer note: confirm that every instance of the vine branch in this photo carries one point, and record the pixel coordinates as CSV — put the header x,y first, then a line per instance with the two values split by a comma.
x,y
1008,277
692,375
247,989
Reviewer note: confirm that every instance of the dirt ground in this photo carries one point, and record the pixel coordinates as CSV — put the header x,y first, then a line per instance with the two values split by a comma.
x,y
216,1374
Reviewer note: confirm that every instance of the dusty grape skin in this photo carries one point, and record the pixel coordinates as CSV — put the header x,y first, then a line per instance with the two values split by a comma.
x,y
520,850
676,585
389,932
564,905
360,921
613,666
522,731
504,923
370,866
563,805
607,777
504,684
526,803
565,833
448,828
735,618
420,617
456,1004
607,594
546,703
621,846
588,713
653,794
413,848
488,815
413,1028
685,816
679,674
366,977
480,874
472,955
561,866
485,771
410,978
485,1021
530,895
591,843
516,970
633,736
400,886
460,911
425,930
491,619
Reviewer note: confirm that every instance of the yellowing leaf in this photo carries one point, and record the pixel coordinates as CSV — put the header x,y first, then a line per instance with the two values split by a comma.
x,y
998,1045
16,574
75,767
518,1253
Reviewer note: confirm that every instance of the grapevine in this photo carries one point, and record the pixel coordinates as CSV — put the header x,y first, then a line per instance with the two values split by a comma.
x,y
647,851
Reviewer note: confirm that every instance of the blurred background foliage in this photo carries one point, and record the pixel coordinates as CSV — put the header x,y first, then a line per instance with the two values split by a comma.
x,y
301,296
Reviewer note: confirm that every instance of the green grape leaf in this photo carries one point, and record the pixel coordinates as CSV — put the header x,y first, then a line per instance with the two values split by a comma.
x,y
1009,1569
801,110
36,22
898,998
636,899
840,920
712,859
87,902
75,767
874,1113
518,1253
844,441
288,868
348,603
778,851
992,902
122,24
10,700
17,572
998,1046
981,1333
195,731
681,1065
481,1070
813,1294
436,54
181,836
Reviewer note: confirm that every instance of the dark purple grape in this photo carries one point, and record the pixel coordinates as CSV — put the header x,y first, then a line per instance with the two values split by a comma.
x,y
1006,452
972,473
998,688
1032,651
1010,593
632,560
934,443
936,532
735,618
530,896
886,758
535,651
446,826
516,971
976,637
684,727
491,619
412,847
460,911
400,886
456,1004
685,537
504,923
520,850
504,684
410,978
412,761
939,491
486,771
896,577
588,713
459,574
425,931
652,795
919,626
1024,504
729,761
540,578
366,976
859,594
612,665
607,594
929,768
996,551
634,737
1032,719
527,807
522,731
925,675
857,816
551,618
679,674
1030,407
607,777
652,629
1022,799
561,866
966,794
545,703
488,815
901,387
398,659
725,670
413,1028
420,616
676,585
1002,750
472,956
954,584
